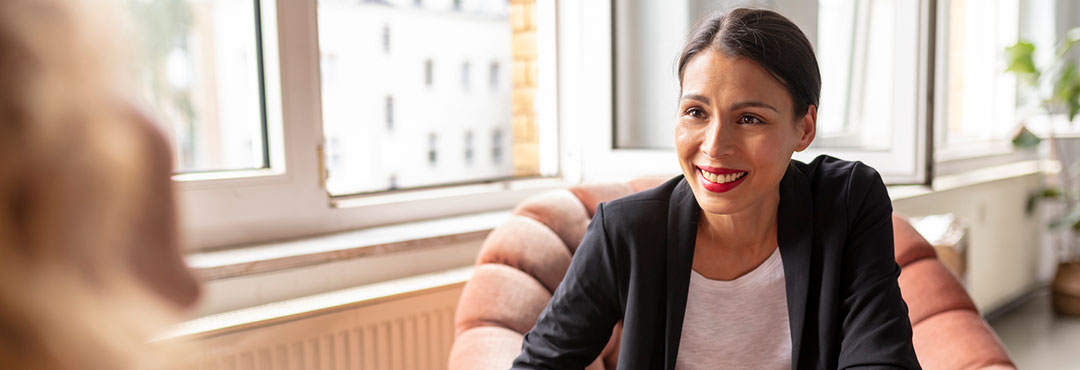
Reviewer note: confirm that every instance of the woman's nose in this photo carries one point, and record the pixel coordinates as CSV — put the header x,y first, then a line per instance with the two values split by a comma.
x,y
717,142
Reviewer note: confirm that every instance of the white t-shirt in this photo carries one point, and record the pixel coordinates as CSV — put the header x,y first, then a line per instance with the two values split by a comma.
x,y
737,324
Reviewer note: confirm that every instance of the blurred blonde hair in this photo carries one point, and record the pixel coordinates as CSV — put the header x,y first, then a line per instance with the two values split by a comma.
x,y
73,186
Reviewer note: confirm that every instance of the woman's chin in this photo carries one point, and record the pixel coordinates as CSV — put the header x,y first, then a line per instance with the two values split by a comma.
x,y
718,206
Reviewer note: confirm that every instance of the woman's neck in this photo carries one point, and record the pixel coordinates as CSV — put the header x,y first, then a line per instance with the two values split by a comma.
x,y
750,230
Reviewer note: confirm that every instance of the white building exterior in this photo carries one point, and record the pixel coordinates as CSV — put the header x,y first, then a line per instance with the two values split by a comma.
x,y
409,86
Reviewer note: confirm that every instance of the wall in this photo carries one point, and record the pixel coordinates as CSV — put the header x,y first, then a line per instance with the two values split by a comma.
x,y
1005,254
526,135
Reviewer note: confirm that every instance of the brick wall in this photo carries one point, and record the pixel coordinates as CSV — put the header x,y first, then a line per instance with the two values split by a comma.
x,y
523,82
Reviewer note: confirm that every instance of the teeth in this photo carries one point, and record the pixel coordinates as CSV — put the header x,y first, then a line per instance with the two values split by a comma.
x,y
717,178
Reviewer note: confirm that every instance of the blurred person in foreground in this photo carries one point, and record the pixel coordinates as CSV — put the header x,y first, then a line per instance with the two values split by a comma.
x,y
90,266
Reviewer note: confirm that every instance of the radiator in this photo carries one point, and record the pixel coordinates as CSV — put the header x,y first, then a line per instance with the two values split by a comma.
x,y
404,332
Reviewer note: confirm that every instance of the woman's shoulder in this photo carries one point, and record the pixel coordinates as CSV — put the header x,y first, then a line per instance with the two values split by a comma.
x,y
831,174
840,184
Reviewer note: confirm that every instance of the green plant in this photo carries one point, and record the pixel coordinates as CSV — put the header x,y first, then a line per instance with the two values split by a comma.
x,y
1057,87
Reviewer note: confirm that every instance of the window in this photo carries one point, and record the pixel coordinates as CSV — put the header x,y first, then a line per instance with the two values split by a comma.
x,y
493,75
199,66
389,112
468,147
465,75
334,71
386,38
240,103
430,121
429,73
976,100
497,146
874,60
857,60
433,149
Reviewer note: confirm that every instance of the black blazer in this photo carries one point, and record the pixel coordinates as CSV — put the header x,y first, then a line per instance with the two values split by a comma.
x,y
836,243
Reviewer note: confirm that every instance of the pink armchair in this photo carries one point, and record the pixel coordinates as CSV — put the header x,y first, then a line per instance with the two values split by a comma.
x,y
523,261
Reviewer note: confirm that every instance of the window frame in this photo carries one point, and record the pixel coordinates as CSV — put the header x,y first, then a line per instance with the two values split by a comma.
x,y
954,156
289,200
605,161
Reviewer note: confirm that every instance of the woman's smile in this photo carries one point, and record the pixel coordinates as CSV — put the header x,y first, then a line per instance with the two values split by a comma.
x,y
720,180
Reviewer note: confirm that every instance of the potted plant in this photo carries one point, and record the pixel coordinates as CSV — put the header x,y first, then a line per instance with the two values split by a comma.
x,y
1057,89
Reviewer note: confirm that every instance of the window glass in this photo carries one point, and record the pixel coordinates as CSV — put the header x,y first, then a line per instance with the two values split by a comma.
x,y
976,99
873,65
418,92
465,75
197,63
857,56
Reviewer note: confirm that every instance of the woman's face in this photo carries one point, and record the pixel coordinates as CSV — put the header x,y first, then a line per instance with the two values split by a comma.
x,y
736,131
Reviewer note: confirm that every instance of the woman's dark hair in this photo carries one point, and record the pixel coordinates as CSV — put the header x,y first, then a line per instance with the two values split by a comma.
x,y
770,40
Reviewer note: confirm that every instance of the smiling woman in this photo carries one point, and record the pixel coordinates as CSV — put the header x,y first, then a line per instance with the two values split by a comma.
x,y
749,258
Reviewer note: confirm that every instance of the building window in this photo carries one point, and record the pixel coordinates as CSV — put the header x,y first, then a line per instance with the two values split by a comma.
x,y
465,75
386,38
457,5
432,153
389,112
468,147
429,72
497,146
369,107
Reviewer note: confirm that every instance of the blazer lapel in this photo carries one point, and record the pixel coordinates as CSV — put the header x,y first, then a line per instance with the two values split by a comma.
x,y
794,236
683,213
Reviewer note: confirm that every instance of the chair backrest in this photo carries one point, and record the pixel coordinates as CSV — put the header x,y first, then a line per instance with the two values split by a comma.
x,y
522,262
947,330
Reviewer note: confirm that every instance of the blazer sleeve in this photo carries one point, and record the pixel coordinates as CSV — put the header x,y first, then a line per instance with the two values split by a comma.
x,y
876,329
577,322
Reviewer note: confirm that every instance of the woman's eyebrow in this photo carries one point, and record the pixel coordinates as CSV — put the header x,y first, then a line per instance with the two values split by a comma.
x,y
700,98
757,104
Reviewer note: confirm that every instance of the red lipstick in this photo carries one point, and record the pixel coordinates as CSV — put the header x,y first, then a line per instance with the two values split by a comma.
x,y
719,186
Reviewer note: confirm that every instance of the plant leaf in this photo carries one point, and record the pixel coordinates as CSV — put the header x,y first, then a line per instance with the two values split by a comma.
x,y
1024,138
1064,82
1019,59
1032,200
1044,193
1070,218
1050,193
1071,38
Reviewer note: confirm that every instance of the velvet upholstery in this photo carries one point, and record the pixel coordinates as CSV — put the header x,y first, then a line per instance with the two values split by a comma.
x,y
522,262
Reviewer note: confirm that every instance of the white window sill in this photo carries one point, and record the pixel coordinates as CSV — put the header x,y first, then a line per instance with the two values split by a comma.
x,y
270,257
326,302
974,177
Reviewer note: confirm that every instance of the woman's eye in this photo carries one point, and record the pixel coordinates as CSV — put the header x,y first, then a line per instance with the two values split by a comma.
x,y
750,120
695,112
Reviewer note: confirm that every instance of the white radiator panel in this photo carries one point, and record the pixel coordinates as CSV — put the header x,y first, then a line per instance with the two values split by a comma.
x,y
413,331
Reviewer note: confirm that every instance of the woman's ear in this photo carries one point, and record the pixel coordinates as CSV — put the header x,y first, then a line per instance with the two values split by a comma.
x,y
806,128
